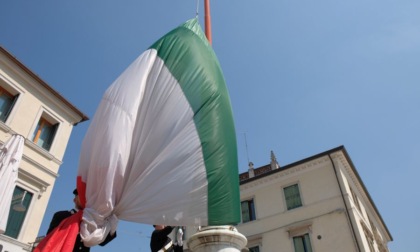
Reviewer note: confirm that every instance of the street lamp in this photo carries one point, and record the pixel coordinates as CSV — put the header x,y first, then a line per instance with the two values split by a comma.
x,y
20,207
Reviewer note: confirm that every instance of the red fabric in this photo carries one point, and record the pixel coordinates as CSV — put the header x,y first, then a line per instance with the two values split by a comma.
x,y
63,237
81,190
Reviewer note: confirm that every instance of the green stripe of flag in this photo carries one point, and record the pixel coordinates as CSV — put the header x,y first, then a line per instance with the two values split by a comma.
x,y
193,63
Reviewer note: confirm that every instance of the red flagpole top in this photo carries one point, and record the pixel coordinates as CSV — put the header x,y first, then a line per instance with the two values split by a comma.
x,y
207,20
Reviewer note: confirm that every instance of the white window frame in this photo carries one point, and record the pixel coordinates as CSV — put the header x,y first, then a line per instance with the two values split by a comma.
x,y
14,90
51,118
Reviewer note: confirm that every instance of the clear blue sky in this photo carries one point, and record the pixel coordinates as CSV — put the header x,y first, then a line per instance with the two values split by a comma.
x,y
303,76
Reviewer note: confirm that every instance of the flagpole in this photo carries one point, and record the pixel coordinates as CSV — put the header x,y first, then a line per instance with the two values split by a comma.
x,y
207,20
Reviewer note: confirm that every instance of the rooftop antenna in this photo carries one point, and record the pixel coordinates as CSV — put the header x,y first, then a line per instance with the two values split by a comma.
x,y
246,148
196,11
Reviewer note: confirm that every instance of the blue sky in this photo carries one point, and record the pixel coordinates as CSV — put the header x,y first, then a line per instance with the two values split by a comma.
x,y
303,76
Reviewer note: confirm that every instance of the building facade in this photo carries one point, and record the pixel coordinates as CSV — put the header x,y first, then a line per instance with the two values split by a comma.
x,y
31,108
316,204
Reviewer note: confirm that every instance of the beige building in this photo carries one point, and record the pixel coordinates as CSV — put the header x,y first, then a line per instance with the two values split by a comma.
x,y
316,204
31,108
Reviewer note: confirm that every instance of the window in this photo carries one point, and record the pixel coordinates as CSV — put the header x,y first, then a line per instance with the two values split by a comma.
x,y
292,196
248,210
44,133
18,209
7,100
302,243
254,249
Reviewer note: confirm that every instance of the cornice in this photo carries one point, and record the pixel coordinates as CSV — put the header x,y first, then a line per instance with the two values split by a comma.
x,y
280,173
343,158
30,77
350,172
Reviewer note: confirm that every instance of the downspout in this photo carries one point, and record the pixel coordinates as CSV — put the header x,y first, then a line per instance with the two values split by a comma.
x,y
345,205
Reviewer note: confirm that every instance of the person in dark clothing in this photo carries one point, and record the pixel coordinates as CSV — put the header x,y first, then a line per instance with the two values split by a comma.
x,y
160,242
61,215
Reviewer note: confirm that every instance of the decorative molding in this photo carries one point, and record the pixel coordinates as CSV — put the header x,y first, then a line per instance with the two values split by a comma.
x,y
272,178
45,91
39,166
300,229
38,149
4,127
41,151
363,194
12,84
350,174
33,180
9,240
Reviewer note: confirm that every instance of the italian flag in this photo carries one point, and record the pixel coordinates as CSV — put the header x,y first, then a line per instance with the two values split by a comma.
x,y
161,148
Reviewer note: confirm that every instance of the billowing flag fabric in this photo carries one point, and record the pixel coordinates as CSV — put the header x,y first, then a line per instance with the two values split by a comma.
x,y
63,237
10,156
161,148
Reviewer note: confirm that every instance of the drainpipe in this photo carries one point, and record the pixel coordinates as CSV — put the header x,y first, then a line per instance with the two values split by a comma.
x,y
345,205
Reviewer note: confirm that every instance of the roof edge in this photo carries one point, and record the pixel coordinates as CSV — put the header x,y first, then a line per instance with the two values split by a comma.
x,y
327,153
45,85
367,192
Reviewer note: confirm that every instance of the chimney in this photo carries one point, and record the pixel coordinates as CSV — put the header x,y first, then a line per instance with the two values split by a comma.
x,y
251,170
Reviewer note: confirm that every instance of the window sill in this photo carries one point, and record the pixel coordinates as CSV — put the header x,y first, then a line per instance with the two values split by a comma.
x,y
4,127
15,242
41,151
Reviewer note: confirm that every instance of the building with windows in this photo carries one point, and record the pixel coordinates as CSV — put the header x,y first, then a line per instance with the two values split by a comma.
x,y
31,108
316,204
